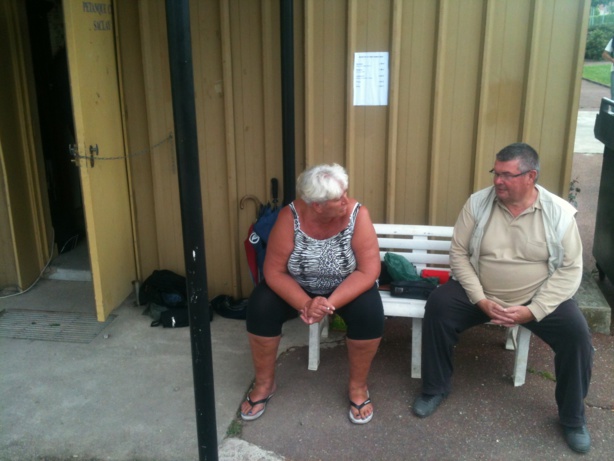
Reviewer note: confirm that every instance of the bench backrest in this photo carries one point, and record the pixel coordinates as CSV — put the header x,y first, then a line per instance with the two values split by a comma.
x,y
423,246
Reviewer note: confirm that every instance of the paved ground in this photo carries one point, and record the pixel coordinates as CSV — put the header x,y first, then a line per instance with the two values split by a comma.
x,y
591,94
485,417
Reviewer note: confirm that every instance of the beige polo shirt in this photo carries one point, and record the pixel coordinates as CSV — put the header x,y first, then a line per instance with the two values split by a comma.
x,y
513,263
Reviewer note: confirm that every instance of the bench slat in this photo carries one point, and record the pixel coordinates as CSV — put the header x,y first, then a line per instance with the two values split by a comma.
x,y
414,244
403,229
423,258
402,307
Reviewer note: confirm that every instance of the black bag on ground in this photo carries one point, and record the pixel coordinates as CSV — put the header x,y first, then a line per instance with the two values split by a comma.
x,y
173,318
165,288
228,307
416,289
155,310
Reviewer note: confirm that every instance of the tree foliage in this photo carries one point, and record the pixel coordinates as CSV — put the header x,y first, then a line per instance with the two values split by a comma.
x,y
597,39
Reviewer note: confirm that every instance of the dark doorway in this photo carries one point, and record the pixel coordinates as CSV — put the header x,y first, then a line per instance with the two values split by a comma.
x,y
50,66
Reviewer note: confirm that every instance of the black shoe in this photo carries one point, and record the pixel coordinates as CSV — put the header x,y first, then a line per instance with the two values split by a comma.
x,y
426,404
578,438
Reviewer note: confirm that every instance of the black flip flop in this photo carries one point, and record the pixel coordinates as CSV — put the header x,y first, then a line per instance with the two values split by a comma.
x,y
359,407
249,417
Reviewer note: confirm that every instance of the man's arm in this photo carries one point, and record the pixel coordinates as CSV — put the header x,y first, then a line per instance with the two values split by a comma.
x,y
565,280
460,263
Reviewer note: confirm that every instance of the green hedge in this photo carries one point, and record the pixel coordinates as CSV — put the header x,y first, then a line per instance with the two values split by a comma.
x,y
597,39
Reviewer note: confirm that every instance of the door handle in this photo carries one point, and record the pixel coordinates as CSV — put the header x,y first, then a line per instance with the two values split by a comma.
x,y
73,150
93,150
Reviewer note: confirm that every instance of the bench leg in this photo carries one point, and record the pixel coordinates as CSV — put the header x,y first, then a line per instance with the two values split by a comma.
x,y
315,331
523,340
416,348
314,347
511,341
325,322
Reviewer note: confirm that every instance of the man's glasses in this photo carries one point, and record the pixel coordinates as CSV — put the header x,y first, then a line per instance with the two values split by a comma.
x,y
507,176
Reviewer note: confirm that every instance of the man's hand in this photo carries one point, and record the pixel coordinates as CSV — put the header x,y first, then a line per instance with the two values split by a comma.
x,y
508,317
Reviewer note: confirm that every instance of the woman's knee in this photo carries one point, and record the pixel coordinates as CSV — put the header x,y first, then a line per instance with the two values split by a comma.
x,y
266,312
364,317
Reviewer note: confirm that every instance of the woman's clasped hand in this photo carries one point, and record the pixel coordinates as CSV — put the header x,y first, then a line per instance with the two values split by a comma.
x,y
315,309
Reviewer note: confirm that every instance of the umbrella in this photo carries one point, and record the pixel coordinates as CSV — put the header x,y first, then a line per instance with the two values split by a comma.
x,y
258,234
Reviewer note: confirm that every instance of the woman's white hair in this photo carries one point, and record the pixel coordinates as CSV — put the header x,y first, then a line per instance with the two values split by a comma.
x,y
321,183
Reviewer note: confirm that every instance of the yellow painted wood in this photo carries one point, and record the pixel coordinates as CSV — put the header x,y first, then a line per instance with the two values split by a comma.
x,y
159,113
8,268
217,165
238,265
299,89
393,114
136,133
26,243
466,78
97,115
370,30
326,89
416,148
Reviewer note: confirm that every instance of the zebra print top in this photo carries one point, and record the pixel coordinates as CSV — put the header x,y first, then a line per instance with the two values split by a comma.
x,y
319,266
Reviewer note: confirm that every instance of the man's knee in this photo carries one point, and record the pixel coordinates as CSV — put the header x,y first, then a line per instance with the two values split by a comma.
x,y
438,302
577,333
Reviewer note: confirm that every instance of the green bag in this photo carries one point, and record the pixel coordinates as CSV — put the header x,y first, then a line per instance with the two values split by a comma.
x,y
400,268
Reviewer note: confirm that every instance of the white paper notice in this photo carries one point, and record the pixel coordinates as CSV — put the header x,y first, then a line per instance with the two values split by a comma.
x,y
371,79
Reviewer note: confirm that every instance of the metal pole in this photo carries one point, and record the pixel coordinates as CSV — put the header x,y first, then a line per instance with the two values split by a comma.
x,y
184,113
287,98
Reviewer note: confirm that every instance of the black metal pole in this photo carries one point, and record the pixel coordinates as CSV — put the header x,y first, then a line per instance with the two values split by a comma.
x,y
287,98
186,142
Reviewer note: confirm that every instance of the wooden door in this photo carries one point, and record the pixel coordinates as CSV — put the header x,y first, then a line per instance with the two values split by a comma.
x,y
94,84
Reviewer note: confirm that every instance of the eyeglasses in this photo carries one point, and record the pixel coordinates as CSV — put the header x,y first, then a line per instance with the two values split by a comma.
x,y
507,176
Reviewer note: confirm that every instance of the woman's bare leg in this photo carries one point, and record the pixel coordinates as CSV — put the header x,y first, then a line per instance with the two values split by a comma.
x,y
360,355
264,356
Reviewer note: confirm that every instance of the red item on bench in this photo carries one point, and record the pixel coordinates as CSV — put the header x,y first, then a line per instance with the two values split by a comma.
x,y
443,276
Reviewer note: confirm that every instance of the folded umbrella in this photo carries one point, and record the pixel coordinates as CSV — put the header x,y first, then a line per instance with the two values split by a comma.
x,y
258,235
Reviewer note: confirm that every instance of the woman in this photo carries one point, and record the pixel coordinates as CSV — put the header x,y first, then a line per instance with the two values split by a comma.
x,y
322,257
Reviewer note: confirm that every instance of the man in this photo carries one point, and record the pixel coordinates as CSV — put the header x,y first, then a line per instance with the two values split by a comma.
x,y
516,259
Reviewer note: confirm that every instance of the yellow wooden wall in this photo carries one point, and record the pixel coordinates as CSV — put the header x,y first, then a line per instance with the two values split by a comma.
x,y
466,78
24,209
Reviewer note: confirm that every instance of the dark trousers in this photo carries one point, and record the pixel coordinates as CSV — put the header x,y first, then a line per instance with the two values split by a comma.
x,y
449,312
267,311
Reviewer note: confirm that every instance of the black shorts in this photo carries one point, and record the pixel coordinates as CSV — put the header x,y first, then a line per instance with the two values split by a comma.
x,y
266,313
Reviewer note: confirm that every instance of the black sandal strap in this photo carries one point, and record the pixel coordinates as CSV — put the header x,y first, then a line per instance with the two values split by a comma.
x,y
359,407
259,402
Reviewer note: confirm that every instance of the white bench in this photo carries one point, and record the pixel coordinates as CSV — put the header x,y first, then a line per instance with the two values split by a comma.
x,y
425,247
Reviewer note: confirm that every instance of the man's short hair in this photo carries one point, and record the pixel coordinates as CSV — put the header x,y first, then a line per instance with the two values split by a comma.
x,y
527,156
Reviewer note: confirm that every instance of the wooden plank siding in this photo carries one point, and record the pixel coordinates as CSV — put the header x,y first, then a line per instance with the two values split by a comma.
x,y
26,236
466,78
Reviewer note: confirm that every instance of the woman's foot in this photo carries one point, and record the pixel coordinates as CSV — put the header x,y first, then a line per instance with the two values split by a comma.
x,y
361,408
254,405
